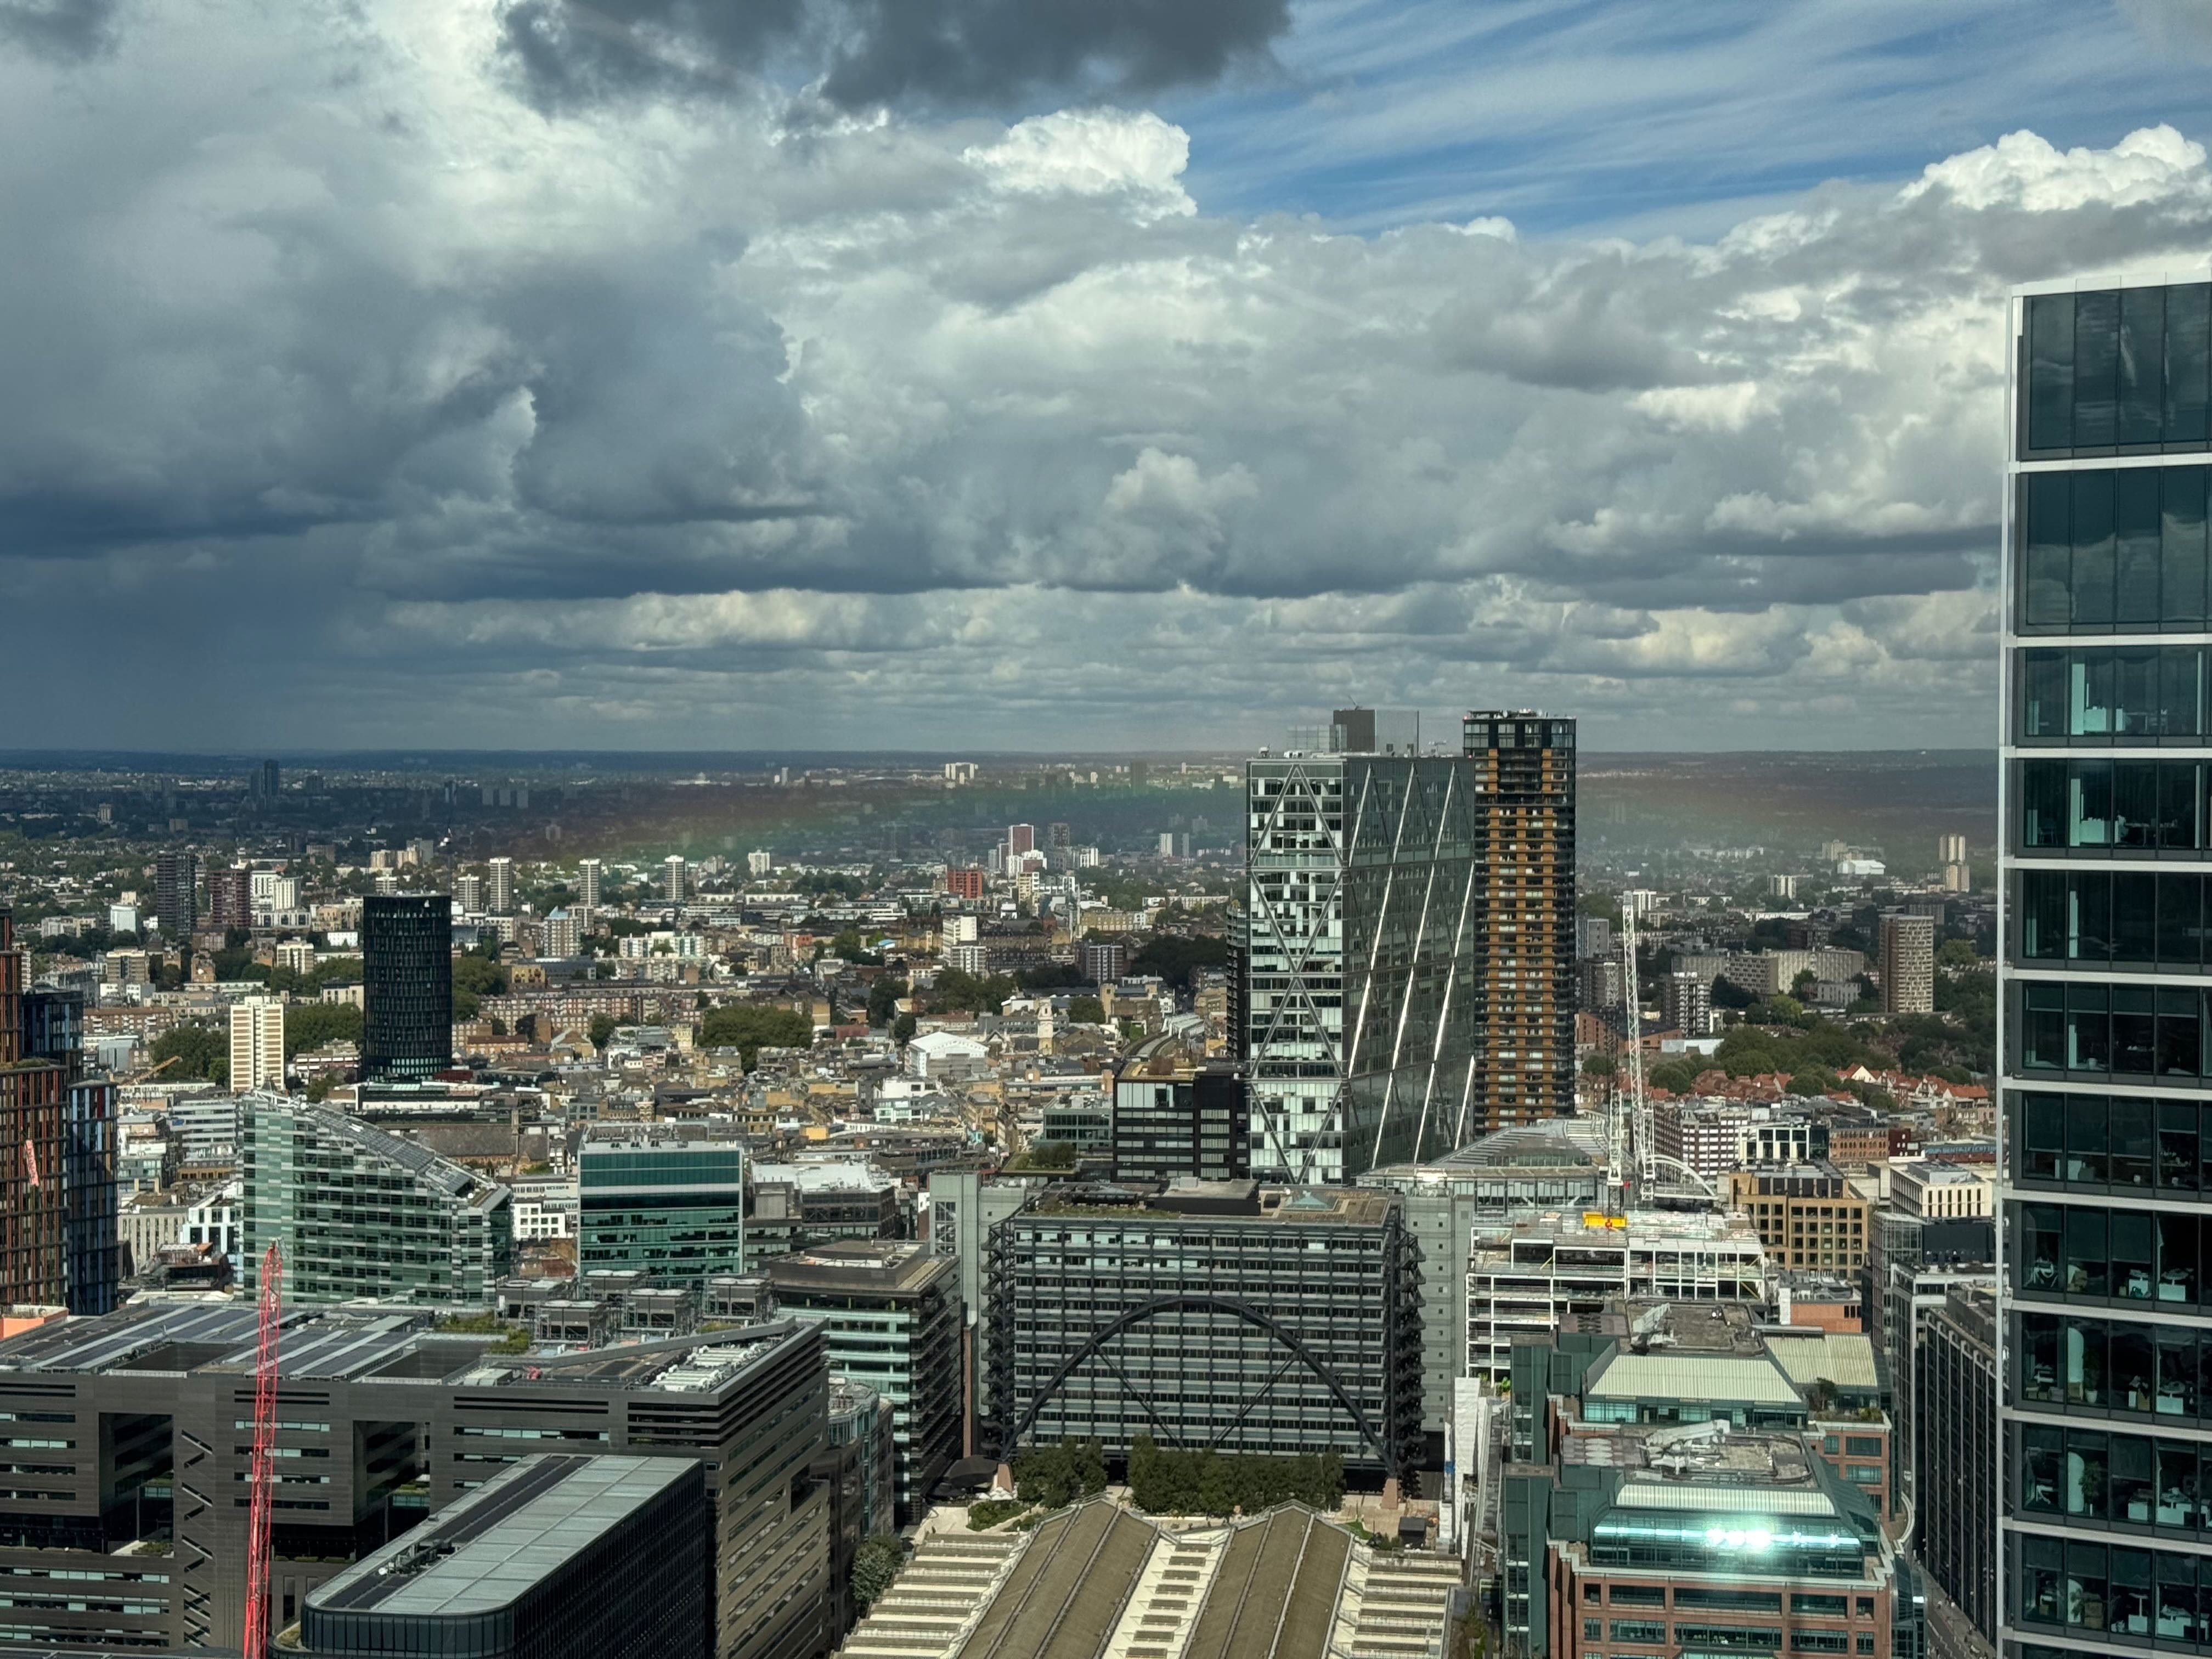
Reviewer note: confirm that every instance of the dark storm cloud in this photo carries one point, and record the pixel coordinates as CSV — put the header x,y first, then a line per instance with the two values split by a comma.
x,y
868,52
59,30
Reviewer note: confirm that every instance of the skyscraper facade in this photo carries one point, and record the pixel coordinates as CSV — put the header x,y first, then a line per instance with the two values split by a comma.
x,y
1407,960
675,878
1524,784
59,1244
2104,1328
407,986
588,874
1362,1005
176,892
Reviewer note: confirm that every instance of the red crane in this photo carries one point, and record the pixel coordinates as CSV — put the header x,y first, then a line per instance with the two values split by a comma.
x,y
261,1473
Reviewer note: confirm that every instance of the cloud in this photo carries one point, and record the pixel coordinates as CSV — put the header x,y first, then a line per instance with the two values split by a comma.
x,y
863,53
331,354
63,30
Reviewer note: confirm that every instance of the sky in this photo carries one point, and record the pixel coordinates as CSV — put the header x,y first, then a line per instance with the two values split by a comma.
x,y
1037,374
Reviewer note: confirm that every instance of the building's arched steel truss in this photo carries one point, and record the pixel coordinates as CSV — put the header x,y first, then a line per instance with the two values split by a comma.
x,y
1259,1318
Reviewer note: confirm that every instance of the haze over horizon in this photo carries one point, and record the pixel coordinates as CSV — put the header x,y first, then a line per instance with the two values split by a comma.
x,y
695,375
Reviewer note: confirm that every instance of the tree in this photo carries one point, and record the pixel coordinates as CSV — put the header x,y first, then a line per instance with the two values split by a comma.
x,y
1957,953
1052,976
902,1029
1175,959
956,991
312,1024
1086,1011
875,1567
1676,1077
749,1027
1600,1066
602,1031
1727,993
198,1050
883,999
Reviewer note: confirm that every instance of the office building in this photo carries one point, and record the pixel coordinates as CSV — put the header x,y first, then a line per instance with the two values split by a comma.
x,y
384,1421
59,1245
1907,964
499,886
1954,1449
257,1044
1360,1056
589,873
556,1557
2101,974
1020,838
962,882
469,893
1524,1059
1594,935
230,900
267,780
663,1202
1686,1005
1335,1266
1175,1114
890,1317
1808,1215
407,987
176,892
360,1212
1099,1579
1939,1191
1525,1278
675,878
1373,732
1670,1492
1715,1136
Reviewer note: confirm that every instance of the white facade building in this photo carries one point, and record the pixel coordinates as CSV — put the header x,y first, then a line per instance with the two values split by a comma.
x,y
257,1044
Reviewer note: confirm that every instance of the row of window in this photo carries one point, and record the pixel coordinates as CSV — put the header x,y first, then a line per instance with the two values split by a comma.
x,y
2145,918
2135,694
2113,1140
2137,1030
2116,368
2113,550
2127,1479
1726,1638
2119,1587
2115,1365
2136,804
2126,1255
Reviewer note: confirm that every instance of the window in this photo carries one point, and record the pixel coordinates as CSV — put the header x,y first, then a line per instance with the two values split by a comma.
x,y
1592,1629
2116,369
1863,1474
1638,1630
1863,1445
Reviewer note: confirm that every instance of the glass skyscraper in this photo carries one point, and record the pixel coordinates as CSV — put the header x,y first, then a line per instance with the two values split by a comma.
x,y
2106,1537
407,987
660,1202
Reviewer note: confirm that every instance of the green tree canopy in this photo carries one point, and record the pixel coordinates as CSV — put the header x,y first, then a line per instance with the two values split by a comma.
x,y
750,1027
883,999
602,1030
1086,1011
875,1567
200,1051
1175,959
310,1024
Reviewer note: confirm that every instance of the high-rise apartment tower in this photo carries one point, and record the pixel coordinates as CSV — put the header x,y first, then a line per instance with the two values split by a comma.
x,y
588,873
176,892
2104,1321
499,887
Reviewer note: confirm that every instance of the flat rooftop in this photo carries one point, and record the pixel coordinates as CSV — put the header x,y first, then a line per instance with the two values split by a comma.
x,y
862,1265
483,1552
370,1344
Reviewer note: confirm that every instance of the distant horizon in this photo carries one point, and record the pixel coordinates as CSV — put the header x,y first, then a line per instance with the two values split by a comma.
x,y
94,759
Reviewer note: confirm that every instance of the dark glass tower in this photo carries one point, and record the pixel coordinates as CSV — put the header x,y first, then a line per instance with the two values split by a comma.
x,y
2105,1066
407,987
176,893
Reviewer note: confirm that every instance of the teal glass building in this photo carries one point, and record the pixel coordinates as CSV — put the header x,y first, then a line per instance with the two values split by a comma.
x,y
671,1206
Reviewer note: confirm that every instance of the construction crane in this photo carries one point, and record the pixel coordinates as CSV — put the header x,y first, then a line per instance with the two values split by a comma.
x,y
261,1473
1631,1108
